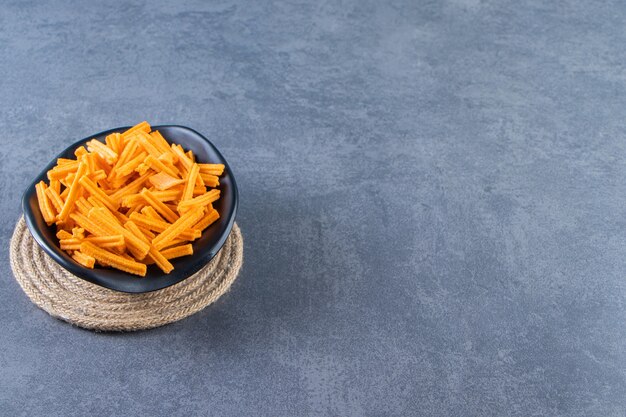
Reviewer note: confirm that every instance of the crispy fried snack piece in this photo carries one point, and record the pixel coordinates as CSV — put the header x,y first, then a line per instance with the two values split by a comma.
x,y
209,218
167,195
45,206
174,230
159,226
199,201
55,199
159,166
113,227
64,234
130,188
116,241
210,180
158,205
98,194
88,224
112,259
73,194
153,254
162,181
192,175
177,251
212,169
85,260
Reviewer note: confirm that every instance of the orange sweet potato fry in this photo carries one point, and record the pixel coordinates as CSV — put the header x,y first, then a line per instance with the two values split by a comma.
x,y
112,259
153,254
95,202
117,182
135,255
121,143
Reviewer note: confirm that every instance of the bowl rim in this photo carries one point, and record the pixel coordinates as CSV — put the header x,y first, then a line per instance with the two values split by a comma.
x,y
89,274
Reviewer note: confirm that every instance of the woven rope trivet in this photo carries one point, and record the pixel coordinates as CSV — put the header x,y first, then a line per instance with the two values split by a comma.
x,y
87,305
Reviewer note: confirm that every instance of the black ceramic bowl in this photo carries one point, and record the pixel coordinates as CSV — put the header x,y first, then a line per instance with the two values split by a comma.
x,y
204,248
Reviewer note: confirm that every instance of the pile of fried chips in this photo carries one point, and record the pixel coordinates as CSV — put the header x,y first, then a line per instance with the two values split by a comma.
x,y
130,202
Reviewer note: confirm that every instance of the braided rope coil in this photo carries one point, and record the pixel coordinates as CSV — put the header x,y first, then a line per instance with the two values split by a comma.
x,y
72,299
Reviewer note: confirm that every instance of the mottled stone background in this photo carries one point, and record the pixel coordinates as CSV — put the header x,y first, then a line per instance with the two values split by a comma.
x,y
432,198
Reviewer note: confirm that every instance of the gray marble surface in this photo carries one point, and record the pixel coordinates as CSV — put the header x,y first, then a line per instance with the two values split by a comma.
x,y
432,199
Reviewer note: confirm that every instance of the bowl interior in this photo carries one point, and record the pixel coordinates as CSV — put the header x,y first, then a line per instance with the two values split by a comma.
x,y
205,248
